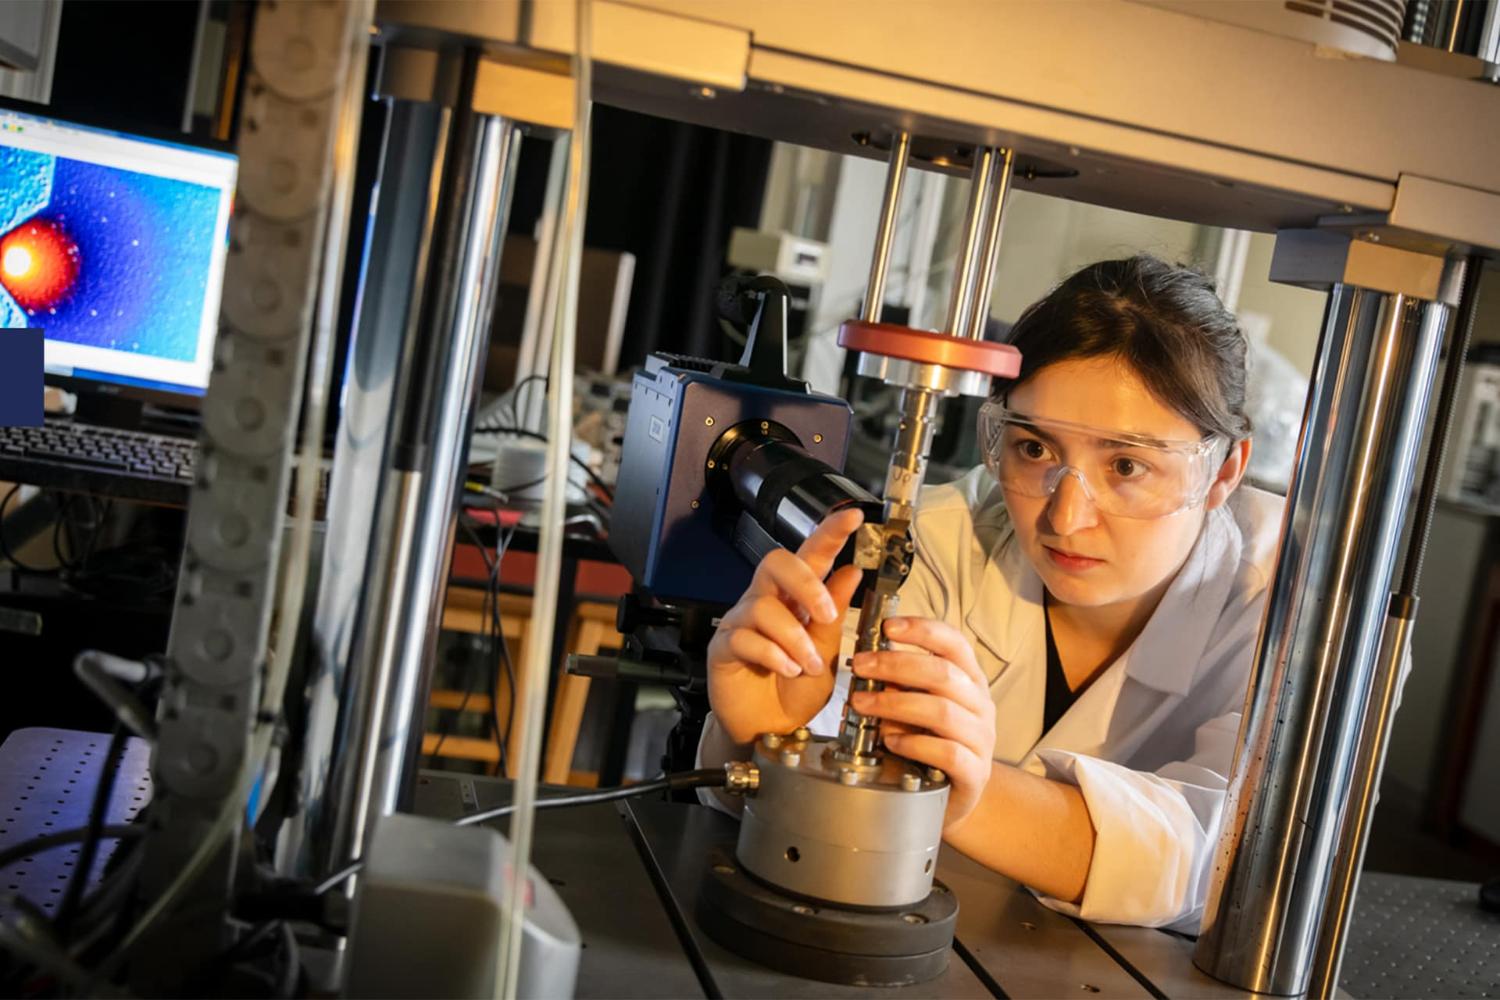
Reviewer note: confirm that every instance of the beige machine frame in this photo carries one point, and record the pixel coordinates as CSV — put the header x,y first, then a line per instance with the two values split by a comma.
x,y
1377,173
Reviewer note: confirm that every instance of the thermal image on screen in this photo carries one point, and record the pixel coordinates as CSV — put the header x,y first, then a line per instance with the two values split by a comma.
x,y
104,257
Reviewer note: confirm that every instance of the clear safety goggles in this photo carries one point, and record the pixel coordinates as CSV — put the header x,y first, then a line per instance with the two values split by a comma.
x,y
1123,474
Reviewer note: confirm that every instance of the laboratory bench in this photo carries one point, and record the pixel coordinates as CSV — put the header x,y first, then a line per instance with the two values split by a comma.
x,y
629,872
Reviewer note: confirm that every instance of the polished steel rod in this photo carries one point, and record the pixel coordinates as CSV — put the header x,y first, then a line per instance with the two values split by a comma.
x,y
989,254
965,273
1314,671
885,234
1375,737
361,541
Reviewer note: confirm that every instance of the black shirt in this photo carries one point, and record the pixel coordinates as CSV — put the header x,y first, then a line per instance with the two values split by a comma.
x,y
1060,697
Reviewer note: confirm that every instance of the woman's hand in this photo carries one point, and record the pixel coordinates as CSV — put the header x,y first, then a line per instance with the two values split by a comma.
x,y
936,708
770,662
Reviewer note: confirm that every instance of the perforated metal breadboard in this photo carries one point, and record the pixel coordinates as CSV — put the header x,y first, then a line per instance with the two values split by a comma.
x,y
47,780
1421,937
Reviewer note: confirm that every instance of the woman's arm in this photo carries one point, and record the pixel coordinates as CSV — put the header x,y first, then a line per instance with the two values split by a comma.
x,y
1032,829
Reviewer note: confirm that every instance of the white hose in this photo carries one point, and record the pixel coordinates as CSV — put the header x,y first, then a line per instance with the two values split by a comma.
x,y
567,254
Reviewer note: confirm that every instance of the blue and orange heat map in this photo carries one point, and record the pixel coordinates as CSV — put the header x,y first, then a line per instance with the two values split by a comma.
x,y
104,257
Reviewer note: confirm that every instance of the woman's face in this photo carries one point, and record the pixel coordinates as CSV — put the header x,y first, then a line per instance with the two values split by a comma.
x,y
1087,558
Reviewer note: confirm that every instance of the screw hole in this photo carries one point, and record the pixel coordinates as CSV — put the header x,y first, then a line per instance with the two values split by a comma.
x,y
793,855
1089,988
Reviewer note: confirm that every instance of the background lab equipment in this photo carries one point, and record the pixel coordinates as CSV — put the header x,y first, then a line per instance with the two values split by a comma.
x,y
1377,178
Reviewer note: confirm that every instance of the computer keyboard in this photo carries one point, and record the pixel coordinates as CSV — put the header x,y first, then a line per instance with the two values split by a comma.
x,y
99,459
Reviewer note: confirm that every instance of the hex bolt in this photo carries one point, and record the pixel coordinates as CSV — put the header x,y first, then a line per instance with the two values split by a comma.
x,y
772,741
911,782
935,776
802,734
790,757
848,776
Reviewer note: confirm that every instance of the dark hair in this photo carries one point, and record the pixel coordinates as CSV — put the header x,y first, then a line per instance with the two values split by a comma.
x,y
1163,319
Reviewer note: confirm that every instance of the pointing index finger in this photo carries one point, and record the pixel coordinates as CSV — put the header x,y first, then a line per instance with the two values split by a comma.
x,y
827,540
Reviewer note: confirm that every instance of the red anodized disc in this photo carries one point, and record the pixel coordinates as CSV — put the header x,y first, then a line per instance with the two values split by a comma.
x,y
892,341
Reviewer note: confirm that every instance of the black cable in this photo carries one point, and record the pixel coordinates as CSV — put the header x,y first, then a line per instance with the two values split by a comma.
x,y
446,726
515,399
101,518
5,550
609,493
63,502
107,904
502,652
489,611
291,969
90,848
338,878
704,778
46,842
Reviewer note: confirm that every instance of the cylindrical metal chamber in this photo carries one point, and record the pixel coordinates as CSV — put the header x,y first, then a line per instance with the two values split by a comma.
x,y
1312,676
859,836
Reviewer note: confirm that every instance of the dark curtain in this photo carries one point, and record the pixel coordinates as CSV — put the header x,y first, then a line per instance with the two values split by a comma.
x,y
124,64
670,194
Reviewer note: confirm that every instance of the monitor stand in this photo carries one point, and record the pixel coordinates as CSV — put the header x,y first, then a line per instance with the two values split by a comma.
x,y
108,410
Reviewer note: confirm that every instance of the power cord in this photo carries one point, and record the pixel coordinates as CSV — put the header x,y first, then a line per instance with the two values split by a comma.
x,y
703,778
494,635
605,488
6,552
89,850
46,842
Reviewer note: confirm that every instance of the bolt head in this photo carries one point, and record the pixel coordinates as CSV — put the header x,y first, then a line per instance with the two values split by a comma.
x,y
694,505
802,734
708,421
935,776
790,757
911,782
772,741
848,776
817,439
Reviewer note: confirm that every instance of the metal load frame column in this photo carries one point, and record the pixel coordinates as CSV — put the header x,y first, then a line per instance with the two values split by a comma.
x,y
1315,667
364,719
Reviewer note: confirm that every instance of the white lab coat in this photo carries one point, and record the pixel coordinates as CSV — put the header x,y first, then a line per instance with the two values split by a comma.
x,y
1151,741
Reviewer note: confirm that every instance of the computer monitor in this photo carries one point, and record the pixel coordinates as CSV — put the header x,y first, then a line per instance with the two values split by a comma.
x,y
114,245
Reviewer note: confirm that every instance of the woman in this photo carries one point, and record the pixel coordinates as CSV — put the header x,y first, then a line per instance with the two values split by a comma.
x,y
1076,633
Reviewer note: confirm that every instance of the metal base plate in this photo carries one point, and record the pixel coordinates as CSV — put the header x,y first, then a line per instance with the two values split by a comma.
x,y
818,941
47,779
1420,937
